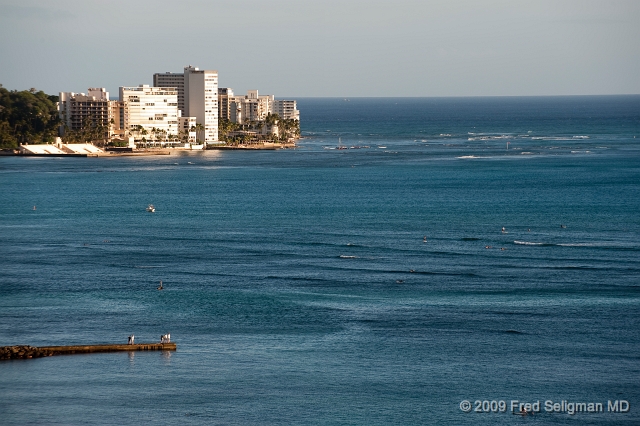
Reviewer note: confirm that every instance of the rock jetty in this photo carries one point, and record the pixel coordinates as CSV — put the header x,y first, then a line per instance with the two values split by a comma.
x,y
23,352
28,352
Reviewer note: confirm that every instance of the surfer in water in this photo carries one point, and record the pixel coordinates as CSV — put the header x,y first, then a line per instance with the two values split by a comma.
x,y
160,287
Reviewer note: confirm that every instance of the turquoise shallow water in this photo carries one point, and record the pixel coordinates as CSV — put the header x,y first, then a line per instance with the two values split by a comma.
x,y
298,285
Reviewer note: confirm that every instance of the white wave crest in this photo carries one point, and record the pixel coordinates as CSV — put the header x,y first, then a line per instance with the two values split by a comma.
x,y
550,138
527,243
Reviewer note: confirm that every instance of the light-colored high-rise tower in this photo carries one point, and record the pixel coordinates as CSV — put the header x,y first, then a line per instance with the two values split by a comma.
x,y
150,113
287,109
201,101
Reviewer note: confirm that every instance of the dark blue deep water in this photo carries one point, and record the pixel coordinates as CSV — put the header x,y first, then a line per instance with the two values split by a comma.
x,y
299,287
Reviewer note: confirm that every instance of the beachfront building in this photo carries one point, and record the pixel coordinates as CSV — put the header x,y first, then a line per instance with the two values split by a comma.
x,y
173,80
187,126
88,116
249,108
254,107
117,120
224,94
150,114
286,109
201,102
197,97
257,107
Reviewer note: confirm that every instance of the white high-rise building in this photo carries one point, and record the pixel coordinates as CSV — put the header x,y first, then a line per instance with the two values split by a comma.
x,y
153,109
286,109
201,101
174,80
245,109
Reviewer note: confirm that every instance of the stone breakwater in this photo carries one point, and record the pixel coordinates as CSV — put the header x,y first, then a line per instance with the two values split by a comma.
x,y
28,352
22,352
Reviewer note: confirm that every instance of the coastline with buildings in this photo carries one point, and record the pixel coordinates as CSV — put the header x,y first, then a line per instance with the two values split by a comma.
x,y
180,111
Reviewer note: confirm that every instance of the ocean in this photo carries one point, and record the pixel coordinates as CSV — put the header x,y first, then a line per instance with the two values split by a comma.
x,y
363,278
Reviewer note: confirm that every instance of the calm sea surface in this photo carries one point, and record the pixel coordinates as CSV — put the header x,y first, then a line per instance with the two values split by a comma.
x,y
299,286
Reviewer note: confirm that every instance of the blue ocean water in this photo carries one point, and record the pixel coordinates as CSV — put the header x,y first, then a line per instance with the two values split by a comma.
x,y
299,286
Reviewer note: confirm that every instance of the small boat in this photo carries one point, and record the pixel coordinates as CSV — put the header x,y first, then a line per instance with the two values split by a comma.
x,y
151,209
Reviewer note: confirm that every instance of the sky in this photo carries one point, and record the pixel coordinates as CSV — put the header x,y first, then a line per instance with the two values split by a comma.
x,y
336,48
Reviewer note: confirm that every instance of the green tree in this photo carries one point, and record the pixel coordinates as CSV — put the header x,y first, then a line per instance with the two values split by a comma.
x,y
29,116
199,128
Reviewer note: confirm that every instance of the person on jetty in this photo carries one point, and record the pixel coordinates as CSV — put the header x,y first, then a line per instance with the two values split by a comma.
x,y
132,339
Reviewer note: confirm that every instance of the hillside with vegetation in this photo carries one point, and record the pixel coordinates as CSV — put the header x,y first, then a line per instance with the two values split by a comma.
x,y
28,116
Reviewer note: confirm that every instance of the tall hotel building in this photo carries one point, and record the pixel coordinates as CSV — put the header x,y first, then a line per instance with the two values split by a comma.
x,y
200,98
77,110
286,109
150,107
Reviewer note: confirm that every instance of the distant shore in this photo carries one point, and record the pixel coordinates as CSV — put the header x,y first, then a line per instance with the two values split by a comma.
x,y
256,146
102,154
269,146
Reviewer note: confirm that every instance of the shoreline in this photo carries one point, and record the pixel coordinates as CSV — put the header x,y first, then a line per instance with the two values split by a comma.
x,y
155,151
260,146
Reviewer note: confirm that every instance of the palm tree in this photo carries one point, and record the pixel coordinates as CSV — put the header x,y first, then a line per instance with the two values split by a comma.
x,y
153,135
199,128
163,136
144,133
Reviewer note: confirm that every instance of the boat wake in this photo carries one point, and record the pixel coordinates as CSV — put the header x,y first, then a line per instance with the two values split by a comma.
x,y
532,243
